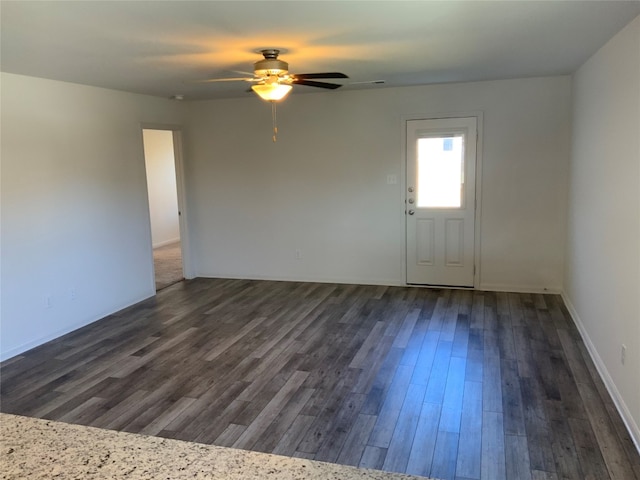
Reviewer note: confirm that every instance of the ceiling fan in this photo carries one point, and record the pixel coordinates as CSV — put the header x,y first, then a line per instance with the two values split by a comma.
x,y
273,81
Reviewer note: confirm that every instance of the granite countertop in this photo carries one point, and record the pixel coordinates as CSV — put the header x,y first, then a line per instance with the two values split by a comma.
x,y
36,448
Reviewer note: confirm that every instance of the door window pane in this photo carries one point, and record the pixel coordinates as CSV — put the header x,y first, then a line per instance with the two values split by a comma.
x,y
440,171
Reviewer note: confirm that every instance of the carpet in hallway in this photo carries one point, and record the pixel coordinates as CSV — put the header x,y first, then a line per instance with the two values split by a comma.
x,y
168,265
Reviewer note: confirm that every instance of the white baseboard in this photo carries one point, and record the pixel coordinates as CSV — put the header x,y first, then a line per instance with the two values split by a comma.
x,y
391,282
12,352
287,278
499,287
618,401
36,342
166,242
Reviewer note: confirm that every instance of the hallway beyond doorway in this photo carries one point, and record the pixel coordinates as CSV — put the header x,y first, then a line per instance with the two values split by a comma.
x,y
167,261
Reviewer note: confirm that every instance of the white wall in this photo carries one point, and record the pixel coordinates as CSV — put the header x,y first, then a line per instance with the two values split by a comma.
x,y
75,217
322,187
602,280
161,186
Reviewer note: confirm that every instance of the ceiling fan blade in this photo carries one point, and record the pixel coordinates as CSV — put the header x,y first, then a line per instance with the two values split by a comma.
x,y
237,79
311,83
368,82
242,72
305,76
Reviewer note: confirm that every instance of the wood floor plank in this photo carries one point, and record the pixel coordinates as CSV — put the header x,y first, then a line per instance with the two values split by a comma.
x,y
450,418
522,340
209,427
542,475
390,411
537,426
450,320
273,363
502,303
339,395
517,457
404,335
195,419
562,443
120,413
439,311
492,383
270,412
420,332
356,441
336,435
75,415
165,419
465,300
516,311
477,311
281,424
424,441
373,457
227,343
493,465
402,439
549,330
511,399
454,387
438,378
615,458
445,455
230,435
289,442
380,385
425,358
460,345
474,369
468,463
589,454
368,346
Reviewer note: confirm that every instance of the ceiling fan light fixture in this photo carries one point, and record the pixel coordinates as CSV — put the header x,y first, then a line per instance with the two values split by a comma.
x,y
272,92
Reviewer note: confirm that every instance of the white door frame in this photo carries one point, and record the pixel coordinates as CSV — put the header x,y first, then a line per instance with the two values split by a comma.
x,y
178,155
403,184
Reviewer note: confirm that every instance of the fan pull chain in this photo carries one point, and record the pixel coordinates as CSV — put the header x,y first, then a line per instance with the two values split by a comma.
x,y
274,120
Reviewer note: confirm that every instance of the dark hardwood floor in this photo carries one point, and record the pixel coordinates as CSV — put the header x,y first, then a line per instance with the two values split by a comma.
x,y
452,384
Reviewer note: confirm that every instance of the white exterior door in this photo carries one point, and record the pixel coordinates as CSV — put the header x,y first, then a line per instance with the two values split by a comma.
x,y
440,201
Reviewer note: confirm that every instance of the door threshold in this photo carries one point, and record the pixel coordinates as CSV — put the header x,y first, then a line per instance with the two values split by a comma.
x,y
452,287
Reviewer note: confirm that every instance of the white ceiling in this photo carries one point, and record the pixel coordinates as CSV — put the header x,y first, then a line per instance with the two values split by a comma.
x,y
161,47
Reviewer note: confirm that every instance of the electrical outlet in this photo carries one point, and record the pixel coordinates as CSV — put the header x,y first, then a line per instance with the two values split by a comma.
x,y
623,354
298,254
392,179
47,301
73,294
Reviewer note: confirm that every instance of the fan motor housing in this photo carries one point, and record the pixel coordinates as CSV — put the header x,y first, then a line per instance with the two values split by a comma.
x,y
270,66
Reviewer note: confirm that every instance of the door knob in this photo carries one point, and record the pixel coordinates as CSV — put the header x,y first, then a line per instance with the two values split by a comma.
x,y
411,212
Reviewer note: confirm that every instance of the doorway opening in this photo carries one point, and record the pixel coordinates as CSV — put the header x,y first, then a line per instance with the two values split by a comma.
x,y
164,212
441,201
